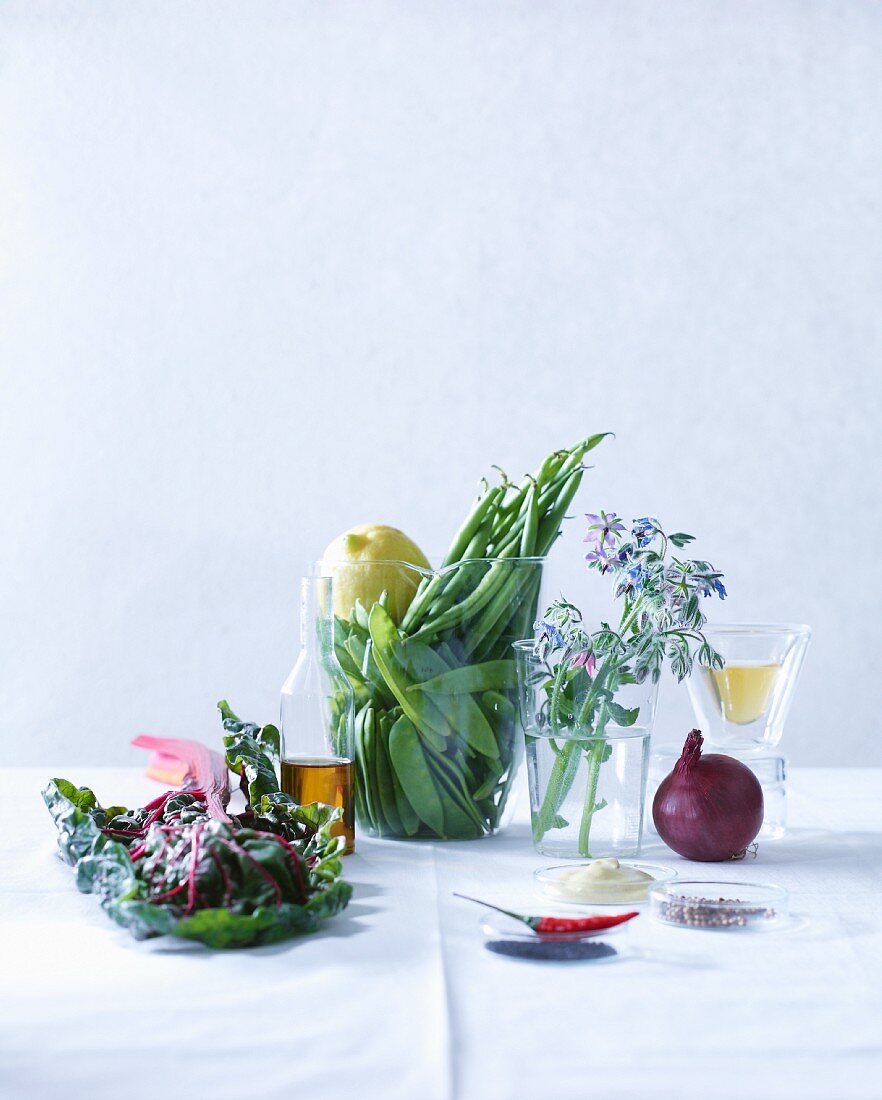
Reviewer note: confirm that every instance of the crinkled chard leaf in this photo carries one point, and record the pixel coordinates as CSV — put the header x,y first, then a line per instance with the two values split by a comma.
x,y
170,869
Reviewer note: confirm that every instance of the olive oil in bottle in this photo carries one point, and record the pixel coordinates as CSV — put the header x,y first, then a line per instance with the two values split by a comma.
x,y
317,712
319,779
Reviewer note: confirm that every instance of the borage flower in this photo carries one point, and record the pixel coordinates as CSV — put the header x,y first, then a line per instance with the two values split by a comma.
x,y
600,558
644,531
718,587
603,527
586,661
550,632
632,581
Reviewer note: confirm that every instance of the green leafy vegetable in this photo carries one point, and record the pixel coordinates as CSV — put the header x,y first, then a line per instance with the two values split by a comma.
x,y
174,868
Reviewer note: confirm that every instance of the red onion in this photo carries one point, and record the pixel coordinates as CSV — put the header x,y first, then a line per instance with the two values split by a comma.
x,y
710,807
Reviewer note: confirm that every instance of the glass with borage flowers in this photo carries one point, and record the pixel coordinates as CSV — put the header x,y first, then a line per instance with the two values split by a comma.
x,y
587,696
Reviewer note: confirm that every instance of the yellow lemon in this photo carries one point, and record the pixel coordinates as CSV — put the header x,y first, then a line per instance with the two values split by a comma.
x,y
369,560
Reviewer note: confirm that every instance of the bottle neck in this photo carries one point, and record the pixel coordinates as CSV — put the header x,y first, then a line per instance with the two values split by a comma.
x,y
315,598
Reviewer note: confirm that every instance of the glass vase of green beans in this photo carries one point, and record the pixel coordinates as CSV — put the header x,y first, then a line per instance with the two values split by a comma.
x,y
437,739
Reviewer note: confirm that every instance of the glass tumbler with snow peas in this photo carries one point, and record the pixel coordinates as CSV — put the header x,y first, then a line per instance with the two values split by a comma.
x,y
428,652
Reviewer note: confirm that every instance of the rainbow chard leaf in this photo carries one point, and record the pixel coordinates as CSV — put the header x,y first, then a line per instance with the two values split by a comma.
x,y
175,868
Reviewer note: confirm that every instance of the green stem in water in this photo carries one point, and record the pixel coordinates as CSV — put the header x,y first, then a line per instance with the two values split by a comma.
x,y
563,773
566,766
595,760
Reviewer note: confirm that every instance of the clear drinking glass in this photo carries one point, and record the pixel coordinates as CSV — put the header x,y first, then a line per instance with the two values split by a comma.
x,y
428,653
744,705
587,787
317,709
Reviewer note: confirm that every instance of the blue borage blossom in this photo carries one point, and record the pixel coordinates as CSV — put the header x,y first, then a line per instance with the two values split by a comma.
x,y
644,531
549,632
632,580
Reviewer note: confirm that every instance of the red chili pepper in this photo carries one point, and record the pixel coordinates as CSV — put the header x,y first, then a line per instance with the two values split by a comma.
x,y
580,924
560,926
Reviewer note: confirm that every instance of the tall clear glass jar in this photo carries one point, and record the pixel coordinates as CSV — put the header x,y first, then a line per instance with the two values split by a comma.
x,y
428,653
317,710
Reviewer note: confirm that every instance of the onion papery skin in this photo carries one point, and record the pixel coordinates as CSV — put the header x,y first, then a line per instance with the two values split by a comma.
x,y
710,808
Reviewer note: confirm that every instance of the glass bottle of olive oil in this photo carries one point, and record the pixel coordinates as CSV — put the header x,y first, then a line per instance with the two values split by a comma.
x,y
317,713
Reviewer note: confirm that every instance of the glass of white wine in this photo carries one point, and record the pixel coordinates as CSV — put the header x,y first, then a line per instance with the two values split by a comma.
x,y
743,706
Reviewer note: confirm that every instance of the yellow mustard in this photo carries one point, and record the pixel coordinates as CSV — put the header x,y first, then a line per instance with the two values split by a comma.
x,y
601,880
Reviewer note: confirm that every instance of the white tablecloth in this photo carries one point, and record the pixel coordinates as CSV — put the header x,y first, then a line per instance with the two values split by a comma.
x,y
397,998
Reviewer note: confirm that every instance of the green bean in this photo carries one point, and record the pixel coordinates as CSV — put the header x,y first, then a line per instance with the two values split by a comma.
x,y
497,643
444,578
489,585
531,524
548,480
545,501
464,535
550,527
463,576
411,767
550,466
501,603
507,512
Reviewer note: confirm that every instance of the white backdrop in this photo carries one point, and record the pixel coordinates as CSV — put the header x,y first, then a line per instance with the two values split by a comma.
x,y
271,269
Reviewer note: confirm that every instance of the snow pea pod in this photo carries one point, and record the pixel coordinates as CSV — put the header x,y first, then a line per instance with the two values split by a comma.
x,y
410,766
402,662
461,714
498,704
489,676
461,818
486,789
363,769
386,652
385,781
410,820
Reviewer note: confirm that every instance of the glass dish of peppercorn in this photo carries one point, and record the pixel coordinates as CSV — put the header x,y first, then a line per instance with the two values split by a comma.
x,y
720,906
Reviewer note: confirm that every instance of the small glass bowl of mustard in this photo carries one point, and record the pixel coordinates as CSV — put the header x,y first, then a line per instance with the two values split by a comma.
x,y
602,881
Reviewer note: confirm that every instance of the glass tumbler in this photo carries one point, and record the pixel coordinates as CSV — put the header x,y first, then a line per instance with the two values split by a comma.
x,y
587,784
744,705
